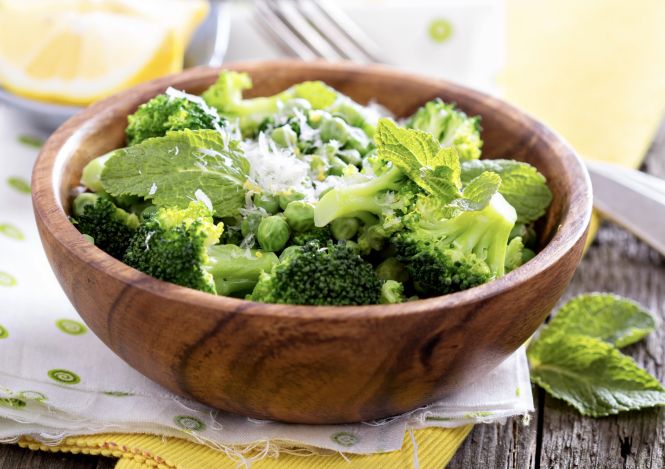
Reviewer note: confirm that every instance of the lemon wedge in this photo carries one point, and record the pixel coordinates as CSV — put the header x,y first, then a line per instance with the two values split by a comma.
x,y
85,50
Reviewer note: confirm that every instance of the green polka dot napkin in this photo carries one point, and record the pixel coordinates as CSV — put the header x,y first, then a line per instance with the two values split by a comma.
x,y
57,379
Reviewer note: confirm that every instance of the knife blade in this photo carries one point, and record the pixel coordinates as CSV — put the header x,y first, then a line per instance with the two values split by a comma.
x,y
631,199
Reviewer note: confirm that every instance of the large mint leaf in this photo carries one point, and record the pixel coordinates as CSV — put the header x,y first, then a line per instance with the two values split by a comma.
x,y
592,375
178,168
521,184
417,153
610,318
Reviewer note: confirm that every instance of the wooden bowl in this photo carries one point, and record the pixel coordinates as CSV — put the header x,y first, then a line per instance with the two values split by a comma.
x,y
303,363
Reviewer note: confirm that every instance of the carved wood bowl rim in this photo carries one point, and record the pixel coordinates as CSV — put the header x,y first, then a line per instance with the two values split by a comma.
x,y
49,207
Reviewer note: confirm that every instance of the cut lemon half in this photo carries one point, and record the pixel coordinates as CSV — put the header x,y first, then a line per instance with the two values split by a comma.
x,y
89,50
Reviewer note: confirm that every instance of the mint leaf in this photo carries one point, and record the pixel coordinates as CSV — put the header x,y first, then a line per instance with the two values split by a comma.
x,y
435,169
610,318
592,375
521,184
178,168
477,193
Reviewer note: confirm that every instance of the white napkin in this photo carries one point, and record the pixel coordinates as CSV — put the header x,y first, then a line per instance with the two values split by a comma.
x,y
58,379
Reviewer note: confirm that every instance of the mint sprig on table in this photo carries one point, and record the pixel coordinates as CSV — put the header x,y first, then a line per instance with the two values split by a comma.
x,y
576,358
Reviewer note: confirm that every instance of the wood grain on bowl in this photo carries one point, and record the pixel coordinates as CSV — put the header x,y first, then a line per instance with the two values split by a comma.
x,y
303,363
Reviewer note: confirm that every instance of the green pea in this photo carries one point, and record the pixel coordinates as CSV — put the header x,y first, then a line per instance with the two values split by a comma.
x,y
250,223
273,233
300,215
335,129
268,202
285,136
285,198
344,228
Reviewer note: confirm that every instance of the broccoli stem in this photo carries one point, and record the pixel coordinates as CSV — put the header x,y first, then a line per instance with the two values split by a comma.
x,y
351,200
236,270
92,173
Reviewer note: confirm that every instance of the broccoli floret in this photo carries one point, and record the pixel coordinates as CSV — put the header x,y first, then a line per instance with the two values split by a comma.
x,y
450,126
313,275
226,96
392,269
451,254
372,237
236,270
320,235
110,227
165,113
392,292
173,246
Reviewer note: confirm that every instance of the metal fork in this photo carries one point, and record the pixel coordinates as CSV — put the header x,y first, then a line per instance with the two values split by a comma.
x,y
311,29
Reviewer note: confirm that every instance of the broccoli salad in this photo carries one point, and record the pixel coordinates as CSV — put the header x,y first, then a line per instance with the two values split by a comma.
x,y
308,197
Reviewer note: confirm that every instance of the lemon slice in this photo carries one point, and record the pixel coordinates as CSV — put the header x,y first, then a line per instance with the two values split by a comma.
x,y
91,49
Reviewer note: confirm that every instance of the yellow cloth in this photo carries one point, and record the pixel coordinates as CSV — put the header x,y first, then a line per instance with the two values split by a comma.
x,y
592,69
436,446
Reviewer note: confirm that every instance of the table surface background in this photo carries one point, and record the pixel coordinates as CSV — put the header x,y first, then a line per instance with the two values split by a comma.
x,y
557,436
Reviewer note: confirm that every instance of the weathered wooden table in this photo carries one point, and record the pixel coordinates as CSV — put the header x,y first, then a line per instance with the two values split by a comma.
x,y
557,436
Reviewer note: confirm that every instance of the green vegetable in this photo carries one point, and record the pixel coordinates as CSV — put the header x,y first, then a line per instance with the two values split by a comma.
x,y
250,223
178,168
284,136
521,184
334,129
373,195
268,202
372,237
392,292
273,233
165,113
344,229
311,275
515,256
444,255
450,127
110,227
236,270
610,318
300,216
320,235
226,96
592,376
392,269
436,170
91,177
354,114
173,246
285,198
413,209
576,358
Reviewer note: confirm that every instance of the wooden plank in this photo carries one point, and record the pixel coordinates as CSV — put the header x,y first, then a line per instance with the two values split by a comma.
x,y
618,263
621,264
14,457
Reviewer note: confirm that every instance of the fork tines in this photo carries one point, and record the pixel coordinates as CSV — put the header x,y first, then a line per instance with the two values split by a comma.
x,y
315,28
